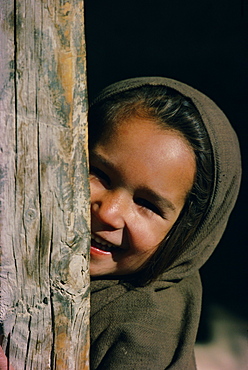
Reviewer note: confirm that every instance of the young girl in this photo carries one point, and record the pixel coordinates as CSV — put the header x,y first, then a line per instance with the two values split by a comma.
x,y
165,174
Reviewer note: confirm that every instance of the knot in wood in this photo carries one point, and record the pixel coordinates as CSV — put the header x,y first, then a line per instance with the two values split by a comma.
x,y
30,214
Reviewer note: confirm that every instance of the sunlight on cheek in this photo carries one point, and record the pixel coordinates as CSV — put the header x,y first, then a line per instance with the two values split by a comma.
x,y
153,235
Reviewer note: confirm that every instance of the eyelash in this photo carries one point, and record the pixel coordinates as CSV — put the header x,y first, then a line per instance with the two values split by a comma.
x,y
139,201
100,175
148,205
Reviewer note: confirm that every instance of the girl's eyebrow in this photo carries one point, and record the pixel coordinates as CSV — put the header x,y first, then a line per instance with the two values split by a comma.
x,y
164,203
101,159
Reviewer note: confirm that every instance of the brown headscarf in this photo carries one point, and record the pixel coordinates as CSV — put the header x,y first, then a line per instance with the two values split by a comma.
x,y
154,327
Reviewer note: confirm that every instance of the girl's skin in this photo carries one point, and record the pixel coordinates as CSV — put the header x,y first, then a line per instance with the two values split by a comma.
x,y
139,180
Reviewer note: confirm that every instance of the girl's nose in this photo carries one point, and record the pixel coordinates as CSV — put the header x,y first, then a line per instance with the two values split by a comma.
x,y
111,209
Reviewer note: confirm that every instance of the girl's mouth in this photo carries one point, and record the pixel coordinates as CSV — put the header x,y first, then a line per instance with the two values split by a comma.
x,y
102,244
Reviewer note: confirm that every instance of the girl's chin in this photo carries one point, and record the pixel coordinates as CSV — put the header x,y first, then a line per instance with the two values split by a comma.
x,y
98,271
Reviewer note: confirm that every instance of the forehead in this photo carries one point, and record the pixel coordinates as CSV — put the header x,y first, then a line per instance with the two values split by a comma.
x,y
147,137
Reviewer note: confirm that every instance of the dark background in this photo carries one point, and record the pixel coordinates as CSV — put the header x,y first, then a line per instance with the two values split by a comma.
x,y
204,44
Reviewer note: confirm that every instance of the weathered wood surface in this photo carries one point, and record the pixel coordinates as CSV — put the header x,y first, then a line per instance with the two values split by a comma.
x,y
43,186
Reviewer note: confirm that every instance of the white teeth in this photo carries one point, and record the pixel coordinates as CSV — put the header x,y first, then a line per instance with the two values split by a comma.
x,y
98,240
101,241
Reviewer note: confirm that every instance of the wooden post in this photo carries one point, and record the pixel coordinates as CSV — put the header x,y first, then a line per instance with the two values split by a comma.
x,y
43,185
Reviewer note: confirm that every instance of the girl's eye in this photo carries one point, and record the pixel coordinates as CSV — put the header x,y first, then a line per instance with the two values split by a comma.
x,y
148,205
100,175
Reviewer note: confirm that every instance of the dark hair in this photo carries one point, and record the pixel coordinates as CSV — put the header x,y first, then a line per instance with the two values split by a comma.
x,y
171,110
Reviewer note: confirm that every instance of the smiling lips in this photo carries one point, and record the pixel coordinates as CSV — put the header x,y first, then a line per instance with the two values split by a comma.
x,y
102,244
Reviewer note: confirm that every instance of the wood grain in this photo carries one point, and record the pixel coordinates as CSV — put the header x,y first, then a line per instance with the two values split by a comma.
x,y
44,185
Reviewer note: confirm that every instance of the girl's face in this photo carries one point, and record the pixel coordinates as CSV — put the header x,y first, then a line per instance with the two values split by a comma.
x,y
139,180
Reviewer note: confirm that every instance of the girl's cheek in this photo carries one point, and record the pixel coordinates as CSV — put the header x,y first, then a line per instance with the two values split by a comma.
x,y
147,237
